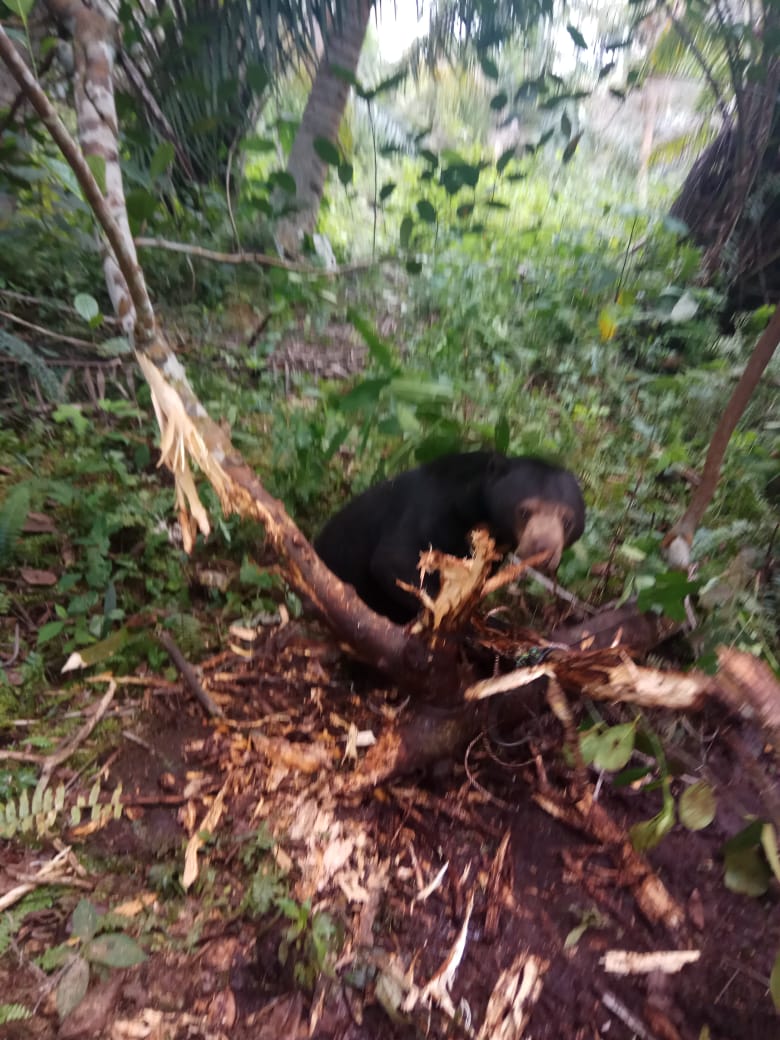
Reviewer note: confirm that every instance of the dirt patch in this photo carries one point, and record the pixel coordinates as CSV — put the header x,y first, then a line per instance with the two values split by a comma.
x,y
427,908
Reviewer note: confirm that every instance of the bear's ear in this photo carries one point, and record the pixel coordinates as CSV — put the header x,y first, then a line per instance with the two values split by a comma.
x,y
497,466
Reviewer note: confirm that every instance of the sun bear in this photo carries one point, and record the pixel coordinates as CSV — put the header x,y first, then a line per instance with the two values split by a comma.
x,y
527,505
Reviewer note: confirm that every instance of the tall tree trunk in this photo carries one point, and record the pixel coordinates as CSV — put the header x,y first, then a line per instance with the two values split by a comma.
x,y
93,29
322,118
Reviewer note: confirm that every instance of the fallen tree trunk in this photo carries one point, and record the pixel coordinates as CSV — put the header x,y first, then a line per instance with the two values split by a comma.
x,y
187,433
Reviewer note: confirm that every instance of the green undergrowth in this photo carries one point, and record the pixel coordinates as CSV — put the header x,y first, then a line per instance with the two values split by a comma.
x,y
546,330
482,356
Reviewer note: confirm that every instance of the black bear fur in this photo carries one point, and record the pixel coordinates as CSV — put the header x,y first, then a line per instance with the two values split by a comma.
x,y
376,539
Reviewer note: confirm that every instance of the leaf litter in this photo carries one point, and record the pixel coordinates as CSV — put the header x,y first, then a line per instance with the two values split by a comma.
x,y
477,897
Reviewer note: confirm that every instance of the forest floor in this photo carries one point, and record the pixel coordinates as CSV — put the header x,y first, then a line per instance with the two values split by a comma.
x,y
462,899
448,903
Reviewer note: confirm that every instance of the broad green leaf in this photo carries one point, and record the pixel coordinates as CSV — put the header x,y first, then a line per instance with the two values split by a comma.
x,y
346,173
327,151
257,77
49,631
86,306
115,950
504,159
667,594
426,211
630,776
84,922
381,352
408,422
747,872
489,67
141,205
255,143
749,837
529,90
697,806
413,266
577,37
615,747
685,308
418,390
545,138
649,833
565,124
74,415
498,101
97,652
405,233
162,159
284,180
386,190
571,148
20,7
363,395
72,987
589,743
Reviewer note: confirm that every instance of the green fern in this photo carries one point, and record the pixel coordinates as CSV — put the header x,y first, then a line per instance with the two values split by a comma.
x,y
38,815
13,1013
7,928
19,351
13,513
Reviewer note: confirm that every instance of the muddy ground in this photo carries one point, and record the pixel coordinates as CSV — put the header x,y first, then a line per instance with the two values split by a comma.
x,y
448,903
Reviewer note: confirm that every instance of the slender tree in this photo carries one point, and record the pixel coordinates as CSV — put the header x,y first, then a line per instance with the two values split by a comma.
x,y
322,119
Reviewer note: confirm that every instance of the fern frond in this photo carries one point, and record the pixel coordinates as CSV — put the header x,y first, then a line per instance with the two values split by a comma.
x,y
21,352
13,1013
13,513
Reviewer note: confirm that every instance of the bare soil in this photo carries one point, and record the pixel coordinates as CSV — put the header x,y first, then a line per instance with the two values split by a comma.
x,y
443,892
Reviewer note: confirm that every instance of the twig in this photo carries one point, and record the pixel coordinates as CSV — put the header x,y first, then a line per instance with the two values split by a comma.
x,y
72,340
52,304
560,592
627,1017
51,762
7,662
655,902
190,677
262,259
51,873
228,198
